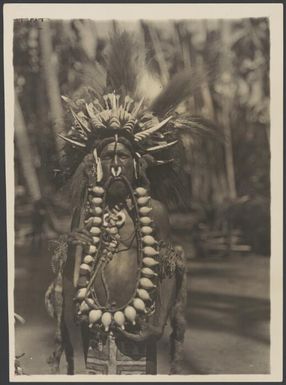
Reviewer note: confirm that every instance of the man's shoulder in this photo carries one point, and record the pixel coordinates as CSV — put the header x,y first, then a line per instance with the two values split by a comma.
x,y
158,207
160,214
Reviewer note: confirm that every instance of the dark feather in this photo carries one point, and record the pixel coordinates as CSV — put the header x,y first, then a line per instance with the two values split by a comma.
x,y
180,87
197,125
171,183
171,187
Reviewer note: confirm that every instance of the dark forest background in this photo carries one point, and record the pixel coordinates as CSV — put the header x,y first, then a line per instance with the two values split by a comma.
x,y
230,202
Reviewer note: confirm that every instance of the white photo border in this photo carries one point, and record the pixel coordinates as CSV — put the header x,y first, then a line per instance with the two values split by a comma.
x,y
159,11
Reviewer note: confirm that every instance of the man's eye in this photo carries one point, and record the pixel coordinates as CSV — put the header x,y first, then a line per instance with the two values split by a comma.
x,y
106,157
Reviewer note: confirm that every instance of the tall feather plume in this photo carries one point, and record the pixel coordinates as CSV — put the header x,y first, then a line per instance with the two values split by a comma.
x,y
124,64
94,76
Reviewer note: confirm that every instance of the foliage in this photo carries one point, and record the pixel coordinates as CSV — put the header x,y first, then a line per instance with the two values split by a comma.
x,y
230,59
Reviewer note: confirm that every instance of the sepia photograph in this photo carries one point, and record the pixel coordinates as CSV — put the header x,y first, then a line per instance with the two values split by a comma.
x,y
141,192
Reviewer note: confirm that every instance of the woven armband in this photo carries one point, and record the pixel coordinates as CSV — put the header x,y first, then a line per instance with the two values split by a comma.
x,y
171,259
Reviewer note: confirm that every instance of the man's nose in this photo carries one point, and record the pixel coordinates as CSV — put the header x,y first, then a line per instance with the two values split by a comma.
x,y
115,166
115,160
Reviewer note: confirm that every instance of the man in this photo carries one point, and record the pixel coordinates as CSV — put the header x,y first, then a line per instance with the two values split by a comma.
x,y
121,274
137,348
118,276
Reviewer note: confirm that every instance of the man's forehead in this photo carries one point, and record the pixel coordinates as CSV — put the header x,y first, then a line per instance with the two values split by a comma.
x,y
119,146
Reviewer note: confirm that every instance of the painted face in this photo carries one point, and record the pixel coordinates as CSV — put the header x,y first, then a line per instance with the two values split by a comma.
x,y
122,157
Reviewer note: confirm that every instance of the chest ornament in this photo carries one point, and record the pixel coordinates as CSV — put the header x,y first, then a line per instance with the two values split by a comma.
x,y
104,223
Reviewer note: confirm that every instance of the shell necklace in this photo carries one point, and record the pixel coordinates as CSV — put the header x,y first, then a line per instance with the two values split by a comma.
x,y
104,227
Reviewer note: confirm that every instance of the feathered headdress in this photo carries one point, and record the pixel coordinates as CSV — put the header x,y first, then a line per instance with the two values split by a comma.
x,y
121,117
154,130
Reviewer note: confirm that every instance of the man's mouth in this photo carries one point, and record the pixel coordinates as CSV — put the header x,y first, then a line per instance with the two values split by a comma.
x,y
117,189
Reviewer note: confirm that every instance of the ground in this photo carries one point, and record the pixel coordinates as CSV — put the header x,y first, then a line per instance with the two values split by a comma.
x,y
227,315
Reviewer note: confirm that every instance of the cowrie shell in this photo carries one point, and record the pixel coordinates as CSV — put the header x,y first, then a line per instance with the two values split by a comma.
x,y
146,230
148,272
150,251
145,221
96,220
139,304
146,283
145,210
97,190
81,293
92,249
130,314
95,230
95,240
142,201
149,240
150,262
94,316
106,320
97,201
84,266
141,191
88,259
143,294
119,319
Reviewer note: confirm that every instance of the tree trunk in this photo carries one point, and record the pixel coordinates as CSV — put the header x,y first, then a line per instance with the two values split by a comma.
x,y
25,153
49,61
227,105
